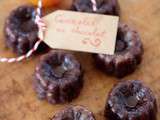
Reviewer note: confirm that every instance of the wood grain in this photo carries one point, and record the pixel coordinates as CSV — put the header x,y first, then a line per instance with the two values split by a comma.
x,y
18,99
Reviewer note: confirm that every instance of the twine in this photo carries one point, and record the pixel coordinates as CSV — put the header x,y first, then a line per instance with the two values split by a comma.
x,y
94,5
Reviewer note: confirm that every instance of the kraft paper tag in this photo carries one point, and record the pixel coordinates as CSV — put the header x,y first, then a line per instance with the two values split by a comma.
x,y
77,31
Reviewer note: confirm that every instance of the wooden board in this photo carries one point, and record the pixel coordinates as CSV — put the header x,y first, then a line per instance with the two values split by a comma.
x,y
18,99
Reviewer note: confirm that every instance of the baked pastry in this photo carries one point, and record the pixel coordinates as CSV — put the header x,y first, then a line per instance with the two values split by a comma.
x,y
128,53
21,31
58,77
131,100
74,113
108,7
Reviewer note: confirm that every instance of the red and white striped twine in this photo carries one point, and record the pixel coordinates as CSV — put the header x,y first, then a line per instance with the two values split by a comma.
x,y
94,5
42,28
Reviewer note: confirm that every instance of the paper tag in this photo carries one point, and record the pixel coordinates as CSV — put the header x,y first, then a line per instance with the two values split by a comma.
x,y
77,31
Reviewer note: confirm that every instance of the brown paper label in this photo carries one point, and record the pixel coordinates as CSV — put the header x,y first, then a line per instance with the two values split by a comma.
x,y
77,31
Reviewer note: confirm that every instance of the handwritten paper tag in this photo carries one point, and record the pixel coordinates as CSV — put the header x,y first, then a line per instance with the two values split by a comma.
x,y
77,31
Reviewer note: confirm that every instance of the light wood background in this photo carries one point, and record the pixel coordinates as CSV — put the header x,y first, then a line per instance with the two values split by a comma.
x,y
18,100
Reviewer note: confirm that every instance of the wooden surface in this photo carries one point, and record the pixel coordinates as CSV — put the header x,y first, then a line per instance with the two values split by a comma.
x,y
18,101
